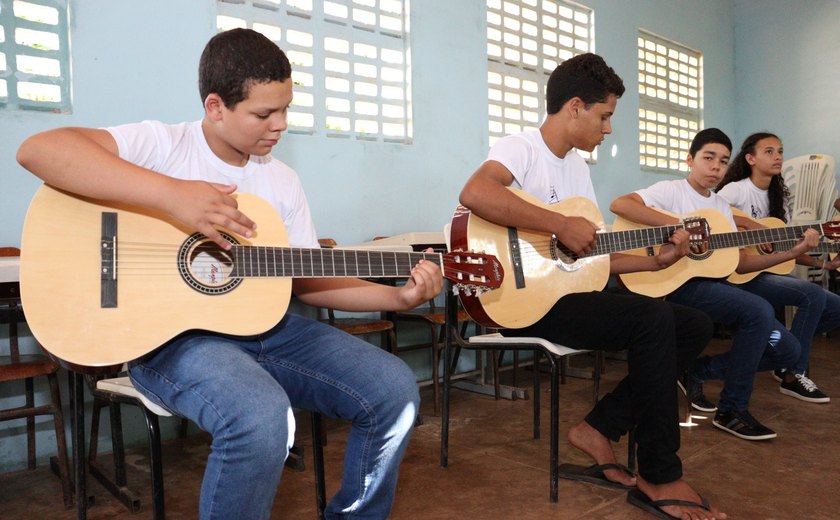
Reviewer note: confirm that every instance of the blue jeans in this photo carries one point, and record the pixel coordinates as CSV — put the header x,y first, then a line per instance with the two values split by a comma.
x,y
817,309
242,390
753,319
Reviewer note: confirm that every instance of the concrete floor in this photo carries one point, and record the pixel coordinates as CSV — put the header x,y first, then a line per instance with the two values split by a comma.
x,y
497,471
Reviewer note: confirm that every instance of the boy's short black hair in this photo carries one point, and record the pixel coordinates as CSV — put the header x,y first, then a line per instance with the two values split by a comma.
x,y
234,60
709,135
586,76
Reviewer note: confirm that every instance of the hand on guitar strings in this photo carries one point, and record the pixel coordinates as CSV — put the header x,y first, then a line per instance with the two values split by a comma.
x,y
204,205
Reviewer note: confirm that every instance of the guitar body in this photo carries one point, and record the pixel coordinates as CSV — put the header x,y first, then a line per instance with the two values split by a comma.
x,y
547,275
715,263
61,286
782,268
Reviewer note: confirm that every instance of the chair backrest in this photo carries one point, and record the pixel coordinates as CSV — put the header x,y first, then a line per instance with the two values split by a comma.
x,y
813,188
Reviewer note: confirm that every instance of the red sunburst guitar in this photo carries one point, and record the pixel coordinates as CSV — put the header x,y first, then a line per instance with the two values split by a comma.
x,y
103,284
539,269
722,257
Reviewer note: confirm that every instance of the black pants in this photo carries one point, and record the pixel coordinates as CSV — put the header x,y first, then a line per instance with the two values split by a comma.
x,y
662,340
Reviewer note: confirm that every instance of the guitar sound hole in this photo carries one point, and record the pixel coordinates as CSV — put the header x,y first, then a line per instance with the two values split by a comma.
x,y
563,257
206,267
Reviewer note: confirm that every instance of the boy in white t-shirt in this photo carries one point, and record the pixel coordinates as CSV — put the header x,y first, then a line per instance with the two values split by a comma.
x,y
661,338
751,316
242,390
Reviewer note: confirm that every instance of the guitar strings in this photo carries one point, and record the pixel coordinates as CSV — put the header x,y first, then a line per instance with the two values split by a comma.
x,y
148,258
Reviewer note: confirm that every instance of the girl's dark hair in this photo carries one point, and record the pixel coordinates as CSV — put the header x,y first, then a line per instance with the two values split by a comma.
x,y
586,76
739,169
234,60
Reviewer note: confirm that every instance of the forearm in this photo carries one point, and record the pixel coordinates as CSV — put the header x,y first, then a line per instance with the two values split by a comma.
x,y
86,162
493,201
623,263
348,294
753,263
631,207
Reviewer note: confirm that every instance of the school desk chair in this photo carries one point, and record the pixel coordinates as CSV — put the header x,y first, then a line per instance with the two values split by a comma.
x,y
17,367
358,325
114,391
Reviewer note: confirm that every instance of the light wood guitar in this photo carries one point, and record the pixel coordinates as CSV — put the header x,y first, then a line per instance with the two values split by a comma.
x,y
782,268
103,284
722,257
539,269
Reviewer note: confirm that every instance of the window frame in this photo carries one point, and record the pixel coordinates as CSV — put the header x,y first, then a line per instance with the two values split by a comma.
x,y
507,75
312,50
12,50
666,127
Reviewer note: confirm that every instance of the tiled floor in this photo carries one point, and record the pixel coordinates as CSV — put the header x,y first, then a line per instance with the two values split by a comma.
x,y
497,471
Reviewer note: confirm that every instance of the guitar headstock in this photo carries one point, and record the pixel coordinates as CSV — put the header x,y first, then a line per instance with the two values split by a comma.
x,y
831,229
473,272
698,234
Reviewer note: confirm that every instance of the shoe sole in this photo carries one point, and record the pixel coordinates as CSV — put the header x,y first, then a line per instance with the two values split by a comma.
x,y
746,437
801,397
694,405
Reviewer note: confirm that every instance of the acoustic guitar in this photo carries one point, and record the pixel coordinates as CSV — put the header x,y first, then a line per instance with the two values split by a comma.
x,y
104,283
539,269
722,257
785,267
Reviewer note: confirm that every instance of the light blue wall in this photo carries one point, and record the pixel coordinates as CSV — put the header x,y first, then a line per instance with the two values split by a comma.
x,y
787,74
136,60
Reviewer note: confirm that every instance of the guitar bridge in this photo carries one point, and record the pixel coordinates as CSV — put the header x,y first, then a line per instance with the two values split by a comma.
x,y
108,261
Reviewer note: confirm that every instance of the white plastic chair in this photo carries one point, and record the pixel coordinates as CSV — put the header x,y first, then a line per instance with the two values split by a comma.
x,y
813,190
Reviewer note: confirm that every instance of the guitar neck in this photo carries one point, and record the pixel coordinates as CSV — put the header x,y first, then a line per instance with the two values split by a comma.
x,y
617,241
760,236
300,262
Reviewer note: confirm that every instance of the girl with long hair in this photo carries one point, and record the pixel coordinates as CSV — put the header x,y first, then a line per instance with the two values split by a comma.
x,y
754,185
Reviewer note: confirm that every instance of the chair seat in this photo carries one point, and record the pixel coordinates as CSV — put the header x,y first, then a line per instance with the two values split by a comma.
x,y
124,386
359,326
30,365
554,348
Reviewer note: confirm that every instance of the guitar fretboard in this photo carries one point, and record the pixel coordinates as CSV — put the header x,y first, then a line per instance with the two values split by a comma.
x,y
616,241
299,262
760,236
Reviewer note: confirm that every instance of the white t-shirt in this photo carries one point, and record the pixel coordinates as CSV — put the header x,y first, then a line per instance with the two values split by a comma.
x,y
539,172
181,151
749,198
679,197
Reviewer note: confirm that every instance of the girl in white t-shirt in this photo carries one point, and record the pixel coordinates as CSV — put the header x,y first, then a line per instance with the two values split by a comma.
x,y
754,185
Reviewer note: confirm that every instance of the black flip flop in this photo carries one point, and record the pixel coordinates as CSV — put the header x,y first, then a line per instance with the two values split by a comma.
x,y
594,474
654,507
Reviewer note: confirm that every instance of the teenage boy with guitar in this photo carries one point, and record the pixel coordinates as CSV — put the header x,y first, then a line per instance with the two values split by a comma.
x,y
242,389
751,317
662,339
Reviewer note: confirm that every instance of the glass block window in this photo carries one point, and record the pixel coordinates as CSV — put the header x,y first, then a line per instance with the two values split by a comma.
x,y
350,62
526,40
34,55
670,102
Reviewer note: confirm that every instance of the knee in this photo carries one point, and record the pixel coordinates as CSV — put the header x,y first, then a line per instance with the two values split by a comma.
x,y
397,397
266,432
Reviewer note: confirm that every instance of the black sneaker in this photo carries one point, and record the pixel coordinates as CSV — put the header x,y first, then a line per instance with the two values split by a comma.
x,y
743,425
695,390
779,374
803,388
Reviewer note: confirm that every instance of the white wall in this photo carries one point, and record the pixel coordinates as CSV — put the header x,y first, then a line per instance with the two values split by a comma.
x,y
138,60
787,74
